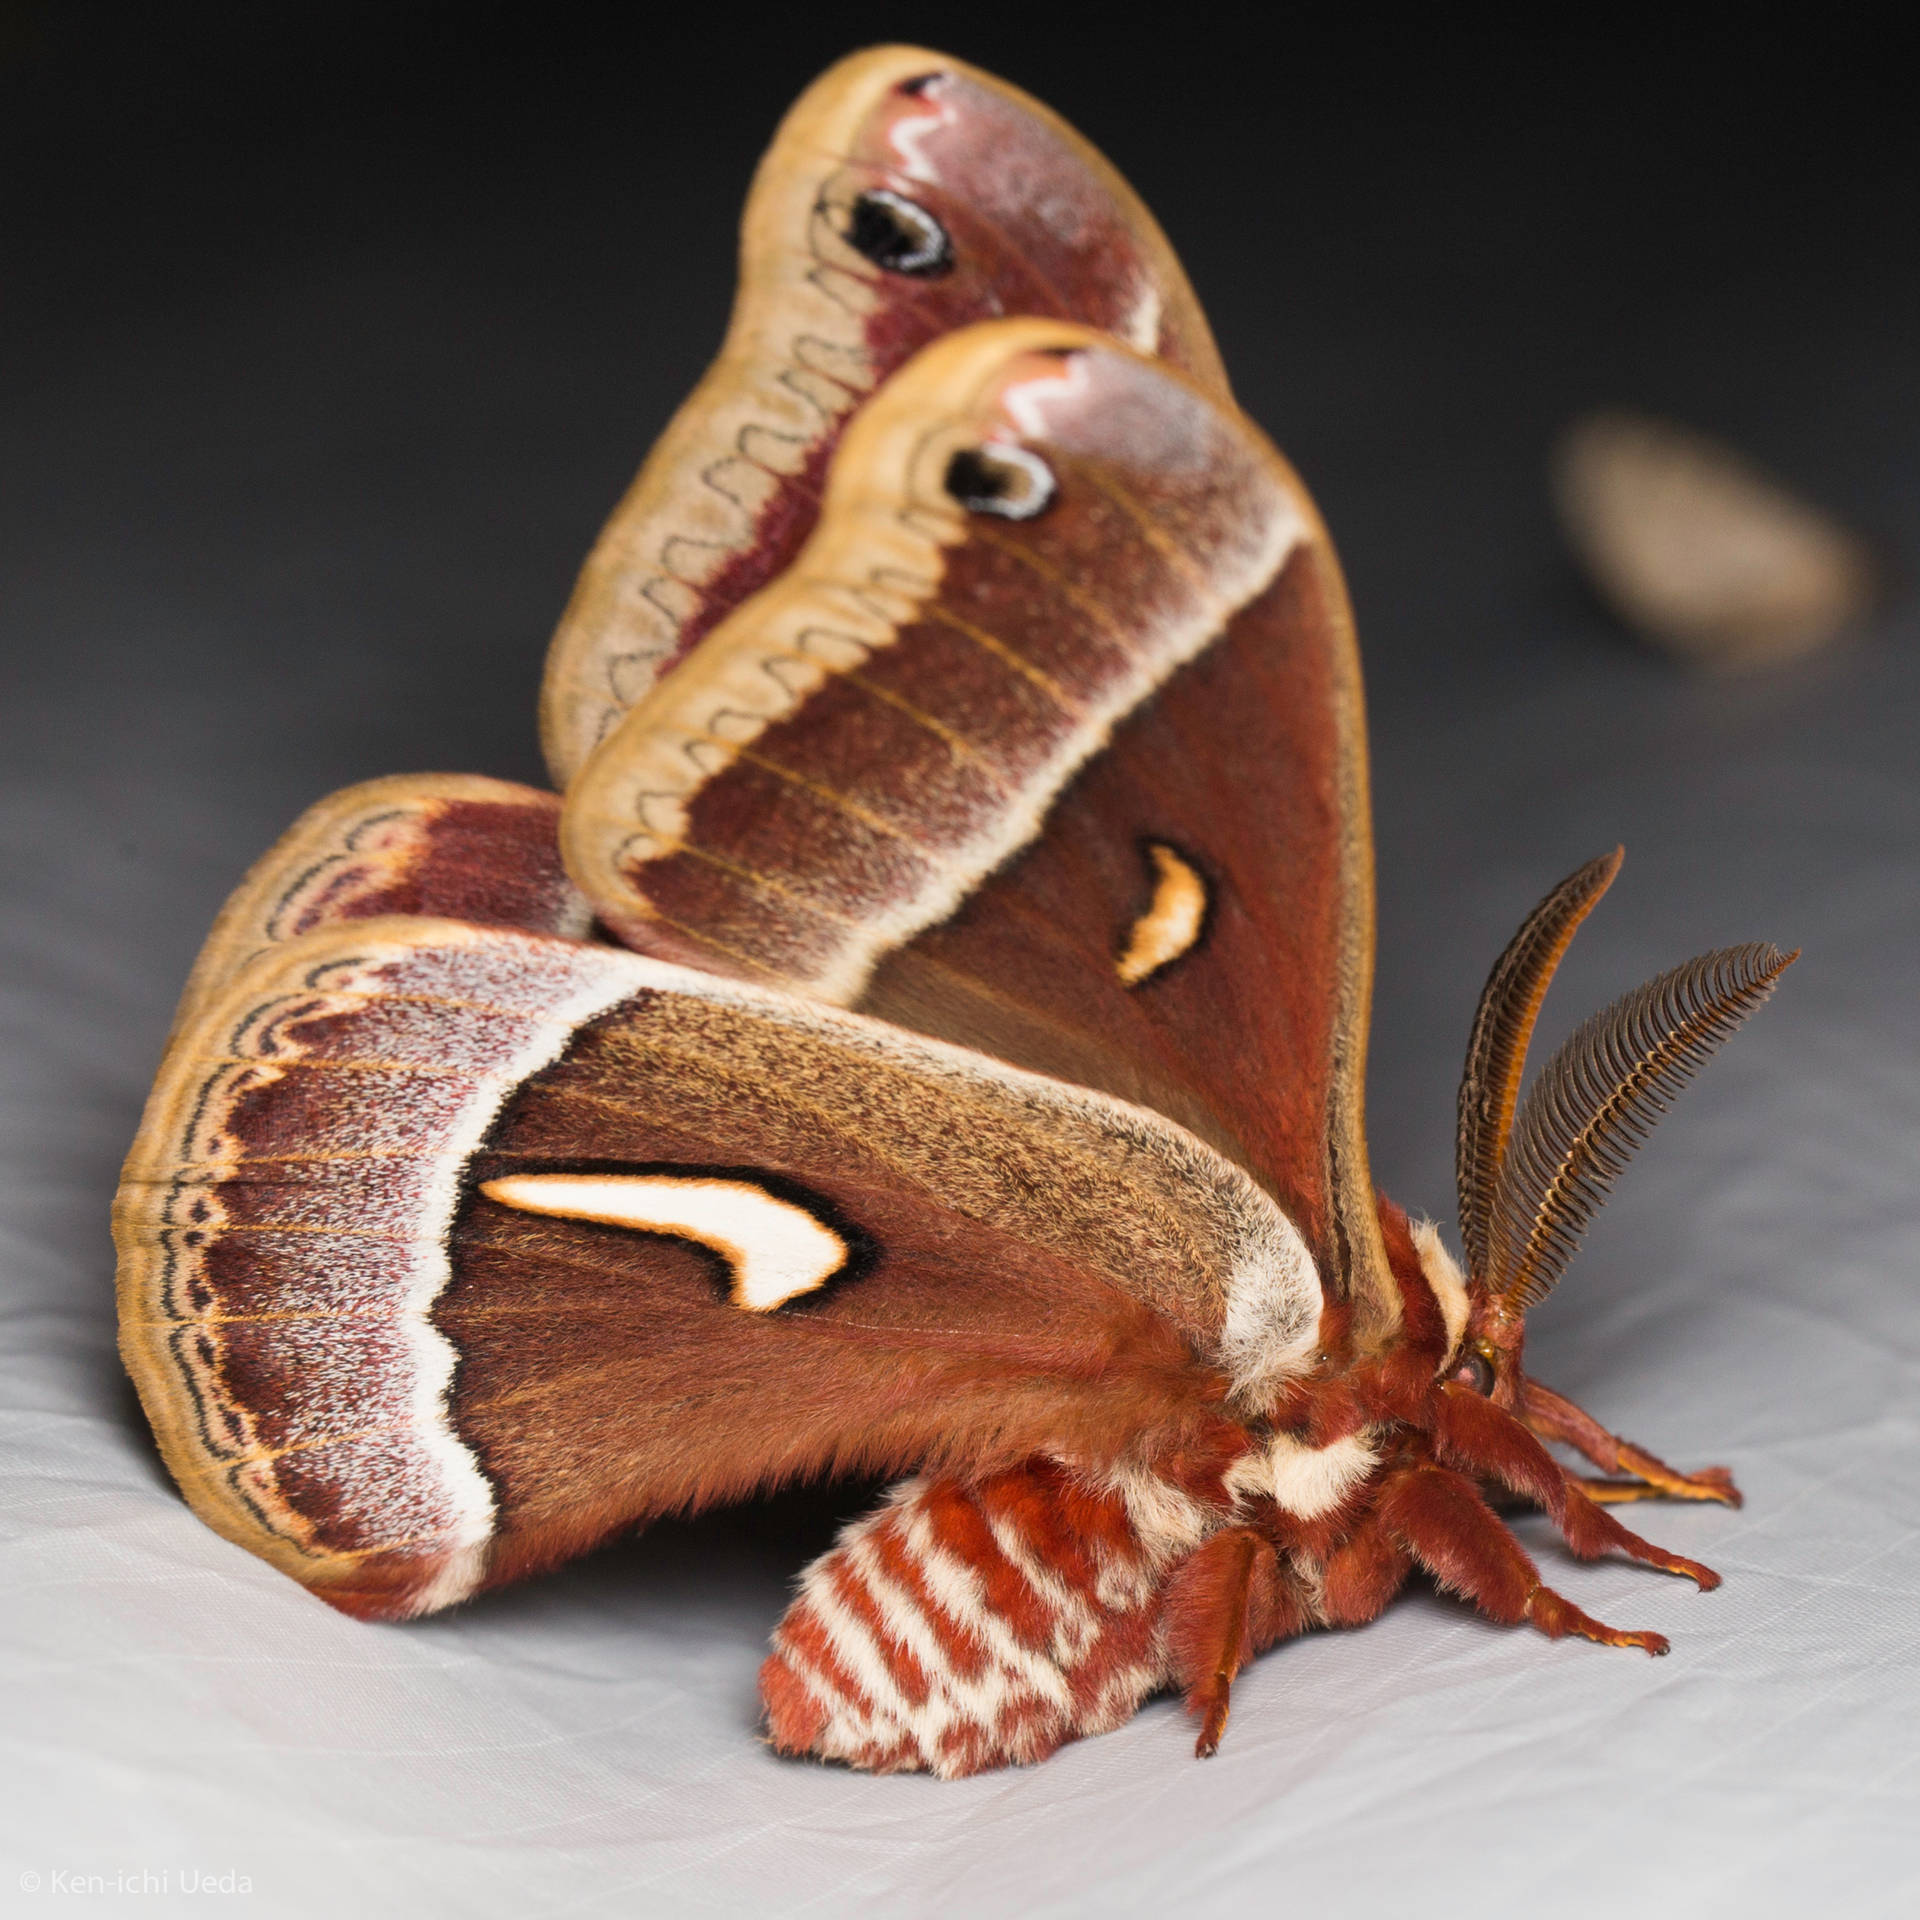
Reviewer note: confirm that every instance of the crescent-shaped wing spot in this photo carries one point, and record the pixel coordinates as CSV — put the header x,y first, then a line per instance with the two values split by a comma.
x,y
1173,921
775,1249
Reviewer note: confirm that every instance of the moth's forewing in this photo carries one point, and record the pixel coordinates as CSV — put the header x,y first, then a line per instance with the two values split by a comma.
x,y
374,1357
1051,742
840,282
451,844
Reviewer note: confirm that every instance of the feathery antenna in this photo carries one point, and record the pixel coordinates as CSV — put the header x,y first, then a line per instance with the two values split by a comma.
x,y
1497,1048
1598,1098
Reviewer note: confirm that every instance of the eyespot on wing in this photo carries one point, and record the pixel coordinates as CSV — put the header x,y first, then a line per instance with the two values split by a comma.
x,y
905,194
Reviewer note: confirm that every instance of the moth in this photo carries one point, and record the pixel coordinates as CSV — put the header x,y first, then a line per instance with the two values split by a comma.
x,y
923,1035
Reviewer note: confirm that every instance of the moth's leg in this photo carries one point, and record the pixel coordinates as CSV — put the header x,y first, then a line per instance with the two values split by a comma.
x,y
1554,1417
1227,1601
1362,1574
1474,1435
1591,1533
1439,1517
968,1625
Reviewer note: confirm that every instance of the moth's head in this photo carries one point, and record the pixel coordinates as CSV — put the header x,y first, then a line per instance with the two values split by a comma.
x,y
1488,1357
1532,1173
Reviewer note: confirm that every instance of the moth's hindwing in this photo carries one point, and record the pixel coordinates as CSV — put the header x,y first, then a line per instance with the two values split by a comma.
x,y
1050,742
446,844
447,1250
905,194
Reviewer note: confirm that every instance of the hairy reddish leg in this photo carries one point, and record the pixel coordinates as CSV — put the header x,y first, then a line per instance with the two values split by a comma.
x,y
1227,1601
1206,1626
1472,1433
1591,1532
1554,1417
1441,1520
1362,1574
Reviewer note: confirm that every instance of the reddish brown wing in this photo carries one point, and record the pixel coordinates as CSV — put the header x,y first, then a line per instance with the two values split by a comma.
x,y
905,194
432,843
387,1344
1049,742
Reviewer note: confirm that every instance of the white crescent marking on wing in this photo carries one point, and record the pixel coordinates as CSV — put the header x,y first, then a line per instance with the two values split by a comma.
x,y
775,1249
1172,921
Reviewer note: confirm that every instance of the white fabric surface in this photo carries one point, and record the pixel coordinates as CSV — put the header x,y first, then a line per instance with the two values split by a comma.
x,y
586,1745
269,547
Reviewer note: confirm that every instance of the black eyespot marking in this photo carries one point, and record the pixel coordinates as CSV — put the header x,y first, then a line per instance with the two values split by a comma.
x,y
899,236
1013,482
1472,1370
921,84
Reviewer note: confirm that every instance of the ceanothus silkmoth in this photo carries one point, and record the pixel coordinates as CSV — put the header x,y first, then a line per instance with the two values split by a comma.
x,y
923,1035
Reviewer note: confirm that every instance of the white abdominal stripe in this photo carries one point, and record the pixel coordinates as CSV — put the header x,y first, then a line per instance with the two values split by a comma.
x,y
778,1243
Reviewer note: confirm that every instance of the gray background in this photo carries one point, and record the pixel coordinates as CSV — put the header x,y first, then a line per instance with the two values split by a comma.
x,y
330,336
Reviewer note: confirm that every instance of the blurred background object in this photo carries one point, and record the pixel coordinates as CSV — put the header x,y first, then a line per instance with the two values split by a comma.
x,y
1700,551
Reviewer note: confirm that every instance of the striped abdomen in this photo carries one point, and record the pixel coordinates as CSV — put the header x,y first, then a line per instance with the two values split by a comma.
x,y
962,1627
